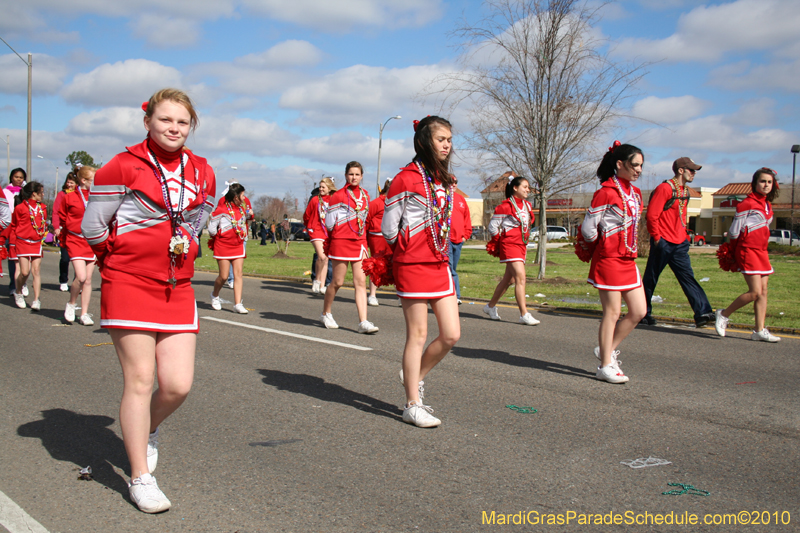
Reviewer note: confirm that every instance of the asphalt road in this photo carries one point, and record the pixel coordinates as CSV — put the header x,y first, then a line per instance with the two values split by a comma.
x,y
282,433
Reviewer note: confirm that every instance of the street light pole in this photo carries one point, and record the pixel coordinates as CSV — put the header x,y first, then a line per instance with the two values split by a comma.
x,y
29,62
380,144
55,189
795,150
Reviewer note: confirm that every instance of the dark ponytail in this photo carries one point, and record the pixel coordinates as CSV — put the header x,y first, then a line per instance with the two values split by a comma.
x,y
234,191
617,152
513,184
28,190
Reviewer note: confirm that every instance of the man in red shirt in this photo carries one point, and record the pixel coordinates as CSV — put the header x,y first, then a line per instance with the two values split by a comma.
x,y
460,231
669,241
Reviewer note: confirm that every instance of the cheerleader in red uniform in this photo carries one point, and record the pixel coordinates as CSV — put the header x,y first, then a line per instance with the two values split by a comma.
x,y
510,229
346,222
70,217
416,224
377,244
612,222
145,211
314,220
228,229
749,238
28,229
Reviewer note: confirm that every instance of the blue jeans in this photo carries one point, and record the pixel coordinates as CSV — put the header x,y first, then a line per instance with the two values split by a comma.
x,y
677,257
63,266
454,253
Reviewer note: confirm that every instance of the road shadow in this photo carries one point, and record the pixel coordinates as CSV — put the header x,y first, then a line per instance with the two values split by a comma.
x,y
316,387
703,333
84,440
525,362
290,319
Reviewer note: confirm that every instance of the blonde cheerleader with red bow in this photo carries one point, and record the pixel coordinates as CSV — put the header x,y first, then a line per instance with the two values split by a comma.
x,y
70,217
346,222
749,235
27,230
314,220
416,224
611,227
143,220
510,228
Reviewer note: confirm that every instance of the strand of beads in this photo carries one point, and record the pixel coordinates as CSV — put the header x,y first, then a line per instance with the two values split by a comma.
x,y
235,223
631,202
40,231
358,209
683,199
440,219
524,222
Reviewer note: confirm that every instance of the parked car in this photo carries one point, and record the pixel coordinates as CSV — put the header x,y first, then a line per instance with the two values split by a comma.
x,y
298,232
553,233
697,240
781,236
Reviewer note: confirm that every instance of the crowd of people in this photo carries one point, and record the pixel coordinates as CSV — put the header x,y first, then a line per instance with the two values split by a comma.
x,y
139,219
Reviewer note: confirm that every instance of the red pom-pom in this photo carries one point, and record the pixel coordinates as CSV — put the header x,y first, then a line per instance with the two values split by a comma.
x,y
3,255
584,250
491,247
726,258
379,269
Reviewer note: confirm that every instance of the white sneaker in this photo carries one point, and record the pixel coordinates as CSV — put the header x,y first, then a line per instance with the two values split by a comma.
x,y
315,287
24,290
491,311
69,313
216,304
367,327
528,320
152,450
239,308
614,355
763,335
420,415
721,323
228,285
12,292
373,301
147,496
63,287
86,320
612,373
328,321
36,305
20,301
459,301
421,388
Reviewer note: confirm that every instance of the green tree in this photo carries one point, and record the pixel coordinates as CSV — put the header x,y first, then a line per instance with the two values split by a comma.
x,y
79,157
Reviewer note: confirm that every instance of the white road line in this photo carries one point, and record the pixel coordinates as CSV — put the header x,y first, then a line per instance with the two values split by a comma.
x,y
15,519
287,334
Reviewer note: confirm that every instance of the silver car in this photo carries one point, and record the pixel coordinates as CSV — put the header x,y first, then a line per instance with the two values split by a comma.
x,y
553,233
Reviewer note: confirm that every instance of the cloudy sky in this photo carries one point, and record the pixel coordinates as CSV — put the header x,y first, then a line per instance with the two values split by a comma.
x,y
291,88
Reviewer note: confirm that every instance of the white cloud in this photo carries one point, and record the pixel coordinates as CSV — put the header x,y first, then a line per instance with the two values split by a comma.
x,y
707,33
121,83
166,32
47,75
757,113
744,75
360,94
717,134
291,53
120,122
343,15
670,110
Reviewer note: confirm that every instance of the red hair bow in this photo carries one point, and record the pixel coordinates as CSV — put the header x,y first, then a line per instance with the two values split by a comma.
x,y
416,123
144,106
613,146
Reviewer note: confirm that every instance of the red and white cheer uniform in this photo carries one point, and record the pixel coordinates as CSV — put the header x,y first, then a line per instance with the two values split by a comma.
x,y
128,226
314,218
346,221
420,270
749,235
511,225
228,228
375,240
28,228
613,218
70,216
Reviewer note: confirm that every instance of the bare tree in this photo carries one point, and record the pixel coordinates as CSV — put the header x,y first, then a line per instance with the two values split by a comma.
x,y
541,92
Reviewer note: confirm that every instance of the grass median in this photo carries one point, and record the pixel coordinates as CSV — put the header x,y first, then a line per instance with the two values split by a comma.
x,y
566,285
